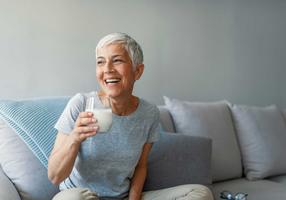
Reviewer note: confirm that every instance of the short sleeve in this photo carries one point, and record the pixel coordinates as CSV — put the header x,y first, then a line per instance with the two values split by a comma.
x,y
66,122
154,133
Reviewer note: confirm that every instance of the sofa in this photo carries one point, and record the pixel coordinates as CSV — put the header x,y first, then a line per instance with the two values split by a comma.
x,y
227,147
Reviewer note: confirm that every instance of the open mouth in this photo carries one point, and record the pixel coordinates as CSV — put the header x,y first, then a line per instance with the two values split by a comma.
x,y
112,81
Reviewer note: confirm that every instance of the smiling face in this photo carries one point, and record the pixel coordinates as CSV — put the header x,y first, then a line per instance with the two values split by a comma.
x,y
115,72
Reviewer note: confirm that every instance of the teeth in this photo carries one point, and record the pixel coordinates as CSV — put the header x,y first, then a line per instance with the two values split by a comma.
x,y
115,80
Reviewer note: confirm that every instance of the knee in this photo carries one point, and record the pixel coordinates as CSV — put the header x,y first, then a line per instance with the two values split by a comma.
x,y
72,194
201,192
75,194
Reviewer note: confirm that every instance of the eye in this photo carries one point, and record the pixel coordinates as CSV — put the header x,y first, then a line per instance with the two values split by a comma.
x,y
100,62
118,60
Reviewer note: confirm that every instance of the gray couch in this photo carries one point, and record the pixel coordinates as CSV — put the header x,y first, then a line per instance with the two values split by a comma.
x,y
246,153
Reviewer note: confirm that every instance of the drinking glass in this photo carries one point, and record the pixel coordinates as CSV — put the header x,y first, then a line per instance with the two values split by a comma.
x,y
101,109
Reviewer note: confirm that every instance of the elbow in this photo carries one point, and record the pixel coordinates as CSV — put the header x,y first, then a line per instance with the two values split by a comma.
x,y
54,178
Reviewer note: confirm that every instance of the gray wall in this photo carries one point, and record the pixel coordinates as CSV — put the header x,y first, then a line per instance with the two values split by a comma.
x,y
198,50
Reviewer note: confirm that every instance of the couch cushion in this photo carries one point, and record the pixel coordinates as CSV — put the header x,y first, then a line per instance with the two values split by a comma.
x,y
211,120
256,190
22,167
279,179
166,119
178,159
33,120
261,133
7,189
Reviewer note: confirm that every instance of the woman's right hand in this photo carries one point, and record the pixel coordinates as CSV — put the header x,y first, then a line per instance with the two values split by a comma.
x,y
66,147
85,126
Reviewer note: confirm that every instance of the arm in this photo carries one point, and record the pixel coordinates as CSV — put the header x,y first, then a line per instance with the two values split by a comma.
x,y
66,148
140,173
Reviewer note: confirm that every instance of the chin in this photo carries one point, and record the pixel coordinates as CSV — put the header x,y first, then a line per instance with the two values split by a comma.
x,y
117,94
112,94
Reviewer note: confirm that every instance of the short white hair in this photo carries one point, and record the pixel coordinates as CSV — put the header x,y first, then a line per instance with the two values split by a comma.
x,y
132,47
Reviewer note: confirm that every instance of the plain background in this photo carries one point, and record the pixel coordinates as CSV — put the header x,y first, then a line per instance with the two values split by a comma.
x,y
196,50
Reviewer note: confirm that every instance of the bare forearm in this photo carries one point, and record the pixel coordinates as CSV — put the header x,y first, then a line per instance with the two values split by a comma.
x,y
67,146
61,162
137,183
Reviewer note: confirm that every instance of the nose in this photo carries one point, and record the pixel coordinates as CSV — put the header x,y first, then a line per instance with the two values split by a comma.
x,y
108,68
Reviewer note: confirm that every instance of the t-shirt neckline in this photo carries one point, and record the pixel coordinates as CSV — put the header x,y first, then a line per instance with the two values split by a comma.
x,y
134,113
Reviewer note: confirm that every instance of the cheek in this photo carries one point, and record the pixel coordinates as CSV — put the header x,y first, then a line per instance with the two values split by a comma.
x,y
98,74
129,80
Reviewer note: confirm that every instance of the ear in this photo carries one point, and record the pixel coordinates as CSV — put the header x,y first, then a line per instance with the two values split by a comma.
x,y
139,71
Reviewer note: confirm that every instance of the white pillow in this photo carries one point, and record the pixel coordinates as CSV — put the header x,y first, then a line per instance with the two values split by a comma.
x,y
284,113
212,120
261,133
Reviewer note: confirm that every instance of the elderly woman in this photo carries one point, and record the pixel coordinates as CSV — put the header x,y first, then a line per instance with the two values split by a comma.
x,y
90,165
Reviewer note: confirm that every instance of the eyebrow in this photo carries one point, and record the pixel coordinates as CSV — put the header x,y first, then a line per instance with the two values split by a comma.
x,y
114,56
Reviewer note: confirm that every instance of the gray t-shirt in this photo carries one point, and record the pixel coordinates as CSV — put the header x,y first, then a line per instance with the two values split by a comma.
x,y
106,162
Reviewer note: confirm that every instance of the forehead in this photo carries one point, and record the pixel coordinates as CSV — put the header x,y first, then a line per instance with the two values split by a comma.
x,y
111,50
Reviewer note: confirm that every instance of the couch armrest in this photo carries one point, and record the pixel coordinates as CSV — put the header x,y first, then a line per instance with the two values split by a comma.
x,y
7,189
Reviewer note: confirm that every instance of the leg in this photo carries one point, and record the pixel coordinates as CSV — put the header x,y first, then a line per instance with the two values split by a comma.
x,y
182,192
76,194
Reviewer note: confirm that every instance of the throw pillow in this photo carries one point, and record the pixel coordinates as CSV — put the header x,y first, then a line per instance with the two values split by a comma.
x,y
166,121
212,120
33,120
21,166
178,159
261,132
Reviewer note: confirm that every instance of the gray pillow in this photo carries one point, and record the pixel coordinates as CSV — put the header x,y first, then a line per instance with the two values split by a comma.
x,y
178,159
21,166
212,120
261,132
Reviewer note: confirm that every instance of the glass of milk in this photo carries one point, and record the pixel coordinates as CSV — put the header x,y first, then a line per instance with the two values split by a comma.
x,y
102,112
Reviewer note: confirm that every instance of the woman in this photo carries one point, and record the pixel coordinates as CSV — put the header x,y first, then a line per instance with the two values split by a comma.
x,y
111,165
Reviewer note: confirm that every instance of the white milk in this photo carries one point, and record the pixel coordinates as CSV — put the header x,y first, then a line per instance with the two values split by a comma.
x,y
104,118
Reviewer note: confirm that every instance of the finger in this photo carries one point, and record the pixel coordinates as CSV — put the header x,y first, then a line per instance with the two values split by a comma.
x,y
85,121
85,114
86,129
89,134
83,117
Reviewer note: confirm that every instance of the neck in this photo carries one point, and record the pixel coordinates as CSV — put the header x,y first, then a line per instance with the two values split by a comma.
x,y
124,106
